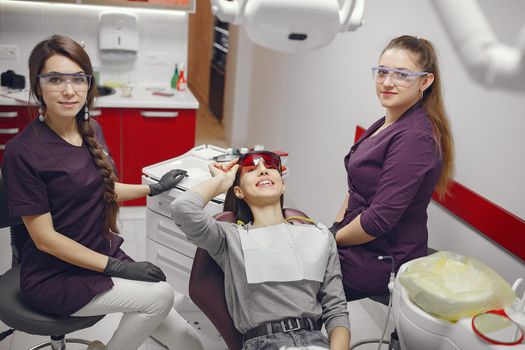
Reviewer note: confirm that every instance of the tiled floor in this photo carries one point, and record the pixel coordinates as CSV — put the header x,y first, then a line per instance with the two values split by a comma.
x,y
133,228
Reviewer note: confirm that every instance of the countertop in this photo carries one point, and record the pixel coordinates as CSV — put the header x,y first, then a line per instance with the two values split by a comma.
x,y
142,97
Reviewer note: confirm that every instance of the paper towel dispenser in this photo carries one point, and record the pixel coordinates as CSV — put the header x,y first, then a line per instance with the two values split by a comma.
x,y
118,36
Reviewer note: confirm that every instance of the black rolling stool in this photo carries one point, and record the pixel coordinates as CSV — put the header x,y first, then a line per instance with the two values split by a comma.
x,y
15,313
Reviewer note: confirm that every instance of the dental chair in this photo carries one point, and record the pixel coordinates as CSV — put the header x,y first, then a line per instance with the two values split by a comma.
x,y
206,286
16,313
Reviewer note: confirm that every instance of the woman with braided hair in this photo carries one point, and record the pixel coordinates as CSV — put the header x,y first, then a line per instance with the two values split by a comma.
x,y
59,178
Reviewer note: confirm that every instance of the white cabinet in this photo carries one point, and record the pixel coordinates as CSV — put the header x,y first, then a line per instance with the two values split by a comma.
x,y
166,245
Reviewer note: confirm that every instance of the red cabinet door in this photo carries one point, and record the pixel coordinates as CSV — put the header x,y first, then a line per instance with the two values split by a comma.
x,y
110,121
150,136
13,119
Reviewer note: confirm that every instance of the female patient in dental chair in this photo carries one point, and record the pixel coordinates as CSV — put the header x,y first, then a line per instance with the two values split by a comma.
x,y
280,278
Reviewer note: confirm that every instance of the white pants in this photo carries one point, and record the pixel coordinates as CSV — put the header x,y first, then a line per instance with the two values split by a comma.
x,y
148,310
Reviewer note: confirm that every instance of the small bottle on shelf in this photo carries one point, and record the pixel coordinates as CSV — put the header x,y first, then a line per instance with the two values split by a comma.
x,y
175,77
181,83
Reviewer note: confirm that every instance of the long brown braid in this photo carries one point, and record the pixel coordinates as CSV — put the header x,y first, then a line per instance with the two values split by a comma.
x,y
67,47
106,169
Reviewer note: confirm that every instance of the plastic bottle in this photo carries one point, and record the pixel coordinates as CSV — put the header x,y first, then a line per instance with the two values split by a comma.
x,y
175,77
181,82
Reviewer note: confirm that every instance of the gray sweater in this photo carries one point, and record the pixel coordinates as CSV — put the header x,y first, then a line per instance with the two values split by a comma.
x,y
253,304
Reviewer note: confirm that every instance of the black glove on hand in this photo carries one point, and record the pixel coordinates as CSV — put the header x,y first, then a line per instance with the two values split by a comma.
x,y
333,230
167,181
139,271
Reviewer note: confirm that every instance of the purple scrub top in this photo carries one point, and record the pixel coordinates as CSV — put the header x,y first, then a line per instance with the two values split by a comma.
x,y
43,173
391,178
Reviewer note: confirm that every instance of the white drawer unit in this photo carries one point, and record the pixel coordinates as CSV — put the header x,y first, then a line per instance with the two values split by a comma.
x,y
166,245
176,266
163,230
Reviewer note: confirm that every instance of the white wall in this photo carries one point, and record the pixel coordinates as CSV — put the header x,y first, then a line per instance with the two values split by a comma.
x,y
163,34
310,104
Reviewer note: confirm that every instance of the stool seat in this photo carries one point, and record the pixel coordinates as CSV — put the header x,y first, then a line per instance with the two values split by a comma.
x,y
23,317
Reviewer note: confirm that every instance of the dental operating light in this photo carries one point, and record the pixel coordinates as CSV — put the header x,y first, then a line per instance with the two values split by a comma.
x,y
291,25
487,60
303,25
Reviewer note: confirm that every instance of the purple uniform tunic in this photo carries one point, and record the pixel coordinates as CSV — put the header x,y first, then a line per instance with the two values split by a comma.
x,y
43,173
391,178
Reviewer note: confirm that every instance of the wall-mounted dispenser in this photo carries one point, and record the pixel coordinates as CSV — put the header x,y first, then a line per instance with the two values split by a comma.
x,y
118,37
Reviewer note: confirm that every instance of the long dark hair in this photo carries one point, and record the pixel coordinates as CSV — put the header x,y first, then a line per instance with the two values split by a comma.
x,y
67,47
238,206
432,100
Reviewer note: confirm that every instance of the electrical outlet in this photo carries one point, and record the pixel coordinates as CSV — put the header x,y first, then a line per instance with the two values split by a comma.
x,y
8,52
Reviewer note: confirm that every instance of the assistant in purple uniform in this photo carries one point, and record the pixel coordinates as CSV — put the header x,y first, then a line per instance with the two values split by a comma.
x,y
60,180
393,170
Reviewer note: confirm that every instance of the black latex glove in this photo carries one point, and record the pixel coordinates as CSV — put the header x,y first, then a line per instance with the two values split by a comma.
x,y
167,181
139,271
333,229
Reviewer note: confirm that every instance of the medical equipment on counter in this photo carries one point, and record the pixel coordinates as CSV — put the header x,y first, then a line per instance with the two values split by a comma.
x,y
291,25
419,330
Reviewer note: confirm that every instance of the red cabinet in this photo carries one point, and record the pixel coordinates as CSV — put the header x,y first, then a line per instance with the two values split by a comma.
x,y
136,137
140,137
13,119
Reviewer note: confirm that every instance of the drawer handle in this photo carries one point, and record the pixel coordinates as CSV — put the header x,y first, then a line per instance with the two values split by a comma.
x,y
9,131
171,232
95,113
168,261
155,114
9,114
2,147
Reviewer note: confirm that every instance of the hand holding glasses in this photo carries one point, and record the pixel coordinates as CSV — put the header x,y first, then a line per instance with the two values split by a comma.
x,y
57,82
399,77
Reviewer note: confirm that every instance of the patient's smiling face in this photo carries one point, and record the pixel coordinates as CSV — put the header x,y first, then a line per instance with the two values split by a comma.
x,y
259,185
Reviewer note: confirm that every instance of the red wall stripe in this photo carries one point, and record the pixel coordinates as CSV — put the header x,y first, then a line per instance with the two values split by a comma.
x,y
488,218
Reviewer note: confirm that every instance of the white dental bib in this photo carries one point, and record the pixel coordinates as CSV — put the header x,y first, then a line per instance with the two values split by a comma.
x,y
285,253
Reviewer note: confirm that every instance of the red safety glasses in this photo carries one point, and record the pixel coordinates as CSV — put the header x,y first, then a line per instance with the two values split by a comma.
x,y
251,160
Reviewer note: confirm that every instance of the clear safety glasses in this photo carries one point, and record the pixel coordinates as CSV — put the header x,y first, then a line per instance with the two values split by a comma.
x,y
57,82
399,77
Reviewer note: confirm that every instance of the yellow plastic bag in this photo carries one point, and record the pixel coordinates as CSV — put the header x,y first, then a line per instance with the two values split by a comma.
x,y
453,286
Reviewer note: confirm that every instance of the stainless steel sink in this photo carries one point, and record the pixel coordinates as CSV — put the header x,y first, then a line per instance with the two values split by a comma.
x,y
105,90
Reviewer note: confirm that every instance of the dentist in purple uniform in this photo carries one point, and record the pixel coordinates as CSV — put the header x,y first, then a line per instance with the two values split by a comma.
x,y
393,170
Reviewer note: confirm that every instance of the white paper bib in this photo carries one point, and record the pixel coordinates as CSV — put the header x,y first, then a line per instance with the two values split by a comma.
x,y
284,253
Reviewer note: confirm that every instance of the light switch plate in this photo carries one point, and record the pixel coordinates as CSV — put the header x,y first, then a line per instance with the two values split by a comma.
x,y
8,52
